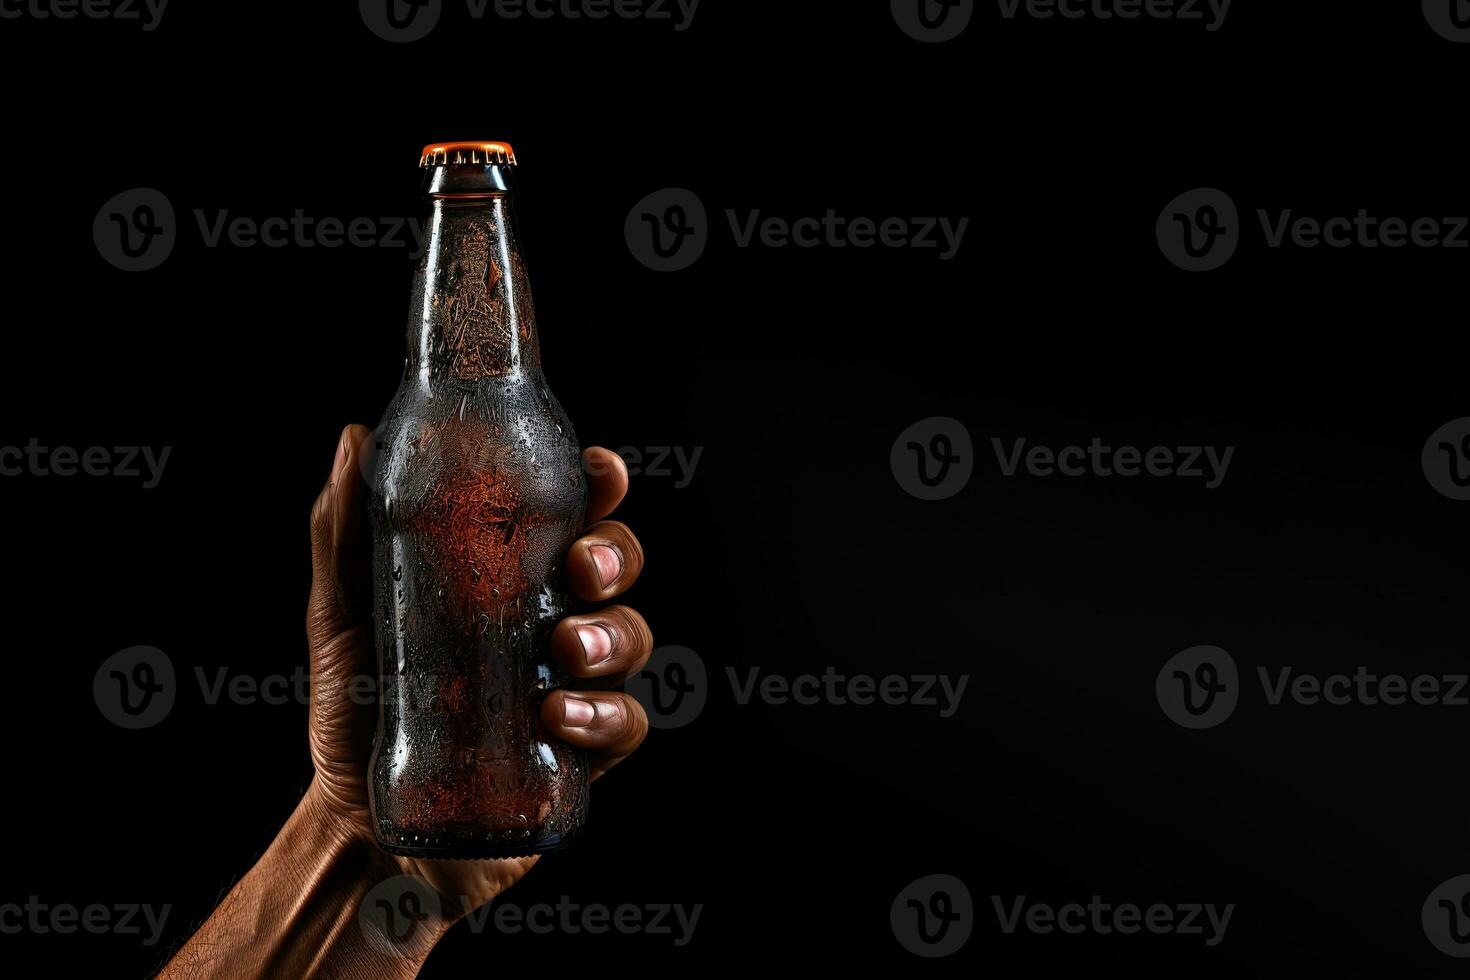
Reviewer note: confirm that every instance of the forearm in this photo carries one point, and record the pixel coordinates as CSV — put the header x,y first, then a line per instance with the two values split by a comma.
x,y
295,914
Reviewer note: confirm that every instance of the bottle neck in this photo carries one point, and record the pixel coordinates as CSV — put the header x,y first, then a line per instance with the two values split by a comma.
x,y
472,315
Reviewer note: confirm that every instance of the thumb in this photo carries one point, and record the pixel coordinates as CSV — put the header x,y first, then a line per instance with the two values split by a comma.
x,y
341,561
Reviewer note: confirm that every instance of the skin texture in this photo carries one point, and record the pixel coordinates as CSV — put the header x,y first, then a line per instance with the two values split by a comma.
x,y
296,912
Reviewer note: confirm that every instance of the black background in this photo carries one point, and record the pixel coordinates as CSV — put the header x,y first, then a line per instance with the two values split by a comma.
x,y
793,547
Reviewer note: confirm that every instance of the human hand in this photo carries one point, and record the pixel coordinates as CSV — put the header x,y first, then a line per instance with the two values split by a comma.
x,y
606,645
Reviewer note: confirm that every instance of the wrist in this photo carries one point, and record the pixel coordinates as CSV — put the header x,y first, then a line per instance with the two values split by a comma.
x,y
322,901
395,912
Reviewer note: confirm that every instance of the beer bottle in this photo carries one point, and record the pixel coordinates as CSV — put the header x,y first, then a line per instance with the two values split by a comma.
x,y
476,494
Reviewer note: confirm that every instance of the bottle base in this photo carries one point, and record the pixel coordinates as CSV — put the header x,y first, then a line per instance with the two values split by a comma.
x,y
473,851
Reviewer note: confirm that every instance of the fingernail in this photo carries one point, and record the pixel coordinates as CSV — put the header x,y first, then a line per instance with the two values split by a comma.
x,y
596,643
609,565
576,713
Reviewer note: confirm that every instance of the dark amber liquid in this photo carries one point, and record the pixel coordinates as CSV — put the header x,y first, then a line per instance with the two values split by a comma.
x,y
477,493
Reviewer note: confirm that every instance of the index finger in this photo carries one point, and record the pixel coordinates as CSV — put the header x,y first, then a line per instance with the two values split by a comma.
x,y
607,481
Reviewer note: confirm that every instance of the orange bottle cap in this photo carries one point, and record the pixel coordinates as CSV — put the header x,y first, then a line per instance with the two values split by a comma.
x,y
467,151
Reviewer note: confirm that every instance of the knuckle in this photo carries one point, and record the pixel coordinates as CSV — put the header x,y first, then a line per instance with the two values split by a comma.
x,y
635,721
636,636
321,514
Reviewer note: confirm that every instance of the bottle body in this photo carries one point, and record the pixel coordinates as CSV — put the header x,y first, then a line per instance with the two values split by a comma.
x,y
476,495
